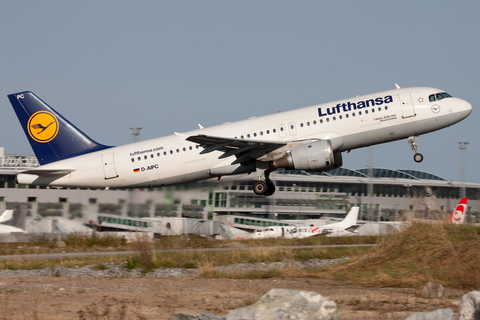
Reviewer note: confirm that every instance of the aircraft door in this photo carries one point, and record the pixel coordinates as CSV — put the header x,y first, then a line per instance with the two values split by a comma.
x,y
109,166
408,110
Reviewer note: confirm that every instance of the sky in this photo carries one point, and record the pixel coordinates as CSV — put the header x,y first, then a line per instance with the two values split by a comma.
x,y
167,66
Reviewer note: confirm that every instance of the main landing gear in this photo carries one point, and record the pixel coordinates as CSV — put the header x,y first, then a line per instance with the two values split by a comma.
x,y
263,186
418,157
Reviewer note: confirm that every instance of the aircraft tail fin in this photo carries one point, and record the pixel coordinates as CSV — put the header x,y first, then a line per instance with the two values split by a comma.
x,y
6,215
51,136
351,218
458,214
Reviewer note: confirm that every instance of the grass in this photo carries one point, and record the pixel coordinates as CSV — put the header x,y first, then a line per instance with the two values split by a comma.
x,y
77,242
422,252
262,251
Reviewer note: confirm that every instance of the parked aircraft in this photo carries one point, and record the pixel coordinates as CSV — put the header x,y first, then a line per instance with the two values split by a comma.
x,y
310,139
346,227
458,214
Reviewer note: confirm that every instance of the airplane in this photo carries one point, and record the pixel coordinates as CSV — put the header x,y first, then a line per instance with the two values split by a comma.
x,y
458,214
309,139
346,227
6,216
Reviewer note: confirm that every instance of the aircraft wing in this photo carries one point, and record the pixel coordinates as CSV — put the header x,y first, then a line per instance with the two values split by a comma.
x,y
243,149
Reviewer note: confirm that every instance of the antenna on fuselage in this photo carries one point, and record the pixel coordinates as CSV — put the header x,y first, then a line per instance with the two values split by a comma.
x,y
396,85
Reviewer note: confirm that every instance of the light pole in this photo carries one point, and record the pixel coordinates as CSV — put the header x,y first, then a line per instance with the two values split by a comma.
x,y
135,133
463,166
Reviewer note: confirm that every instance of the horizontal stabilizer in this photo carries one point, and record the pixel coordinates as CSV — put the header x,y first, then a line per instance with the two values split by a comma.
x,y
41,171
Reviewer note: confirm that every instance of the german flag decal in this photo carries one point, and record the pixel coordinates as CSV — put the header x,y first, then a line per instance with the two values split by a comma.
x,y
136,170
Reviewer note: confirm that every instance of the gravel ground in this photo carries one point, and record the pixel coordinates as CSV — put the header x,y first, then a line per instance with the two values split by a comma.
x,y
115,292
112,270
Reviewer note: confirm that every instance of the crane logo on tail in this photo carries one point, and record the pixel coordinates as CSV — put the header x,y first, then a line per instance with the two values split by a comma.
x,y
42,126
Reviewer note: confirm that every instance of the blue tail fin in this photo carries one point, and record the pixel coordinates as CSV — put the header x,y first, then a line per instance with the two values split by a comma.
x,y
51,136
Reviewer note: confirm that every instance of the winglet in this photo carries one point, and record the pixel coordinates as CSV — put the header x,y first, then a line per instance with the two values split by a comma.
x,y
51,136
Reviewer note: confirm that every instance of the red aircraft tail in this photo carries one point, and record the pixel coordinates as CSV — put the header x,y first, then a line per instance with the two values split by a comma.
x,y
458,215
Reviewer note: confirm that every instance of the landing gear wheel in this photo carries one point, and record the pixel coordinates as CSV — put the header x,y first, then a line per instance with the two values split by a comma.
x,y
260,188
418,157
271,189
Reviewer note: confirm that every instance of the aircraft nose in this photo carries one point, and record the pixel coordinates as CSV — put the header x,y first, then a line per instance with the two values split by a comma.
x,y
466,107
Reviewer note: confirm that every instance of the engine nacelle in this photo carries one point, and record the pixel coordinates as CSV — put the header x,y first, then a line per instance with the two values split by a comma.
x,y
312,156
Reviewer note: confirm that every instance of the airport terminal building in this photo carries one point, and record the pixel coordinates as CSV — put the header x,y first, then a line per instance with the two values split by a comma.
x,y
382,194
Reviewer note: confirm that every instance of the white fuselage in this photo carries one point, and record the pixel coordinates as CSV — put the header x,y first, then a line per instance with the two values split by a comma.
x,y
349,124
301,232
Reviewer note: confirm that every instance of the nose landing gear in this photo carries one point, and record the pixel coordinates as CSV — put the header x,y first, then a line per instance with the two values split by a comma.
x,y
417,157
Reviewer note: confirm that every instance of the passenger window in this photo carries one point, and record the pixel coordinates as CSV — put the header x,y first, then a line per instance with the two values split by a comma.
x,y
133,160
301,125
274,130
268,131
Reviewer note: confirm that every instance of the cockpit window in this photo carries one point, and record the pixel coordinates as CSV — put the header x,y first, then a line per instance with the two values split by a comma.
x,y
438,96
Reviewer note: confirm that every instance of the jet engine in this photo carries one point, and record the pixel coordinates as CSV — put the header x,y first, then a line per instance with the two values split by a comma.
x,y
312,156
